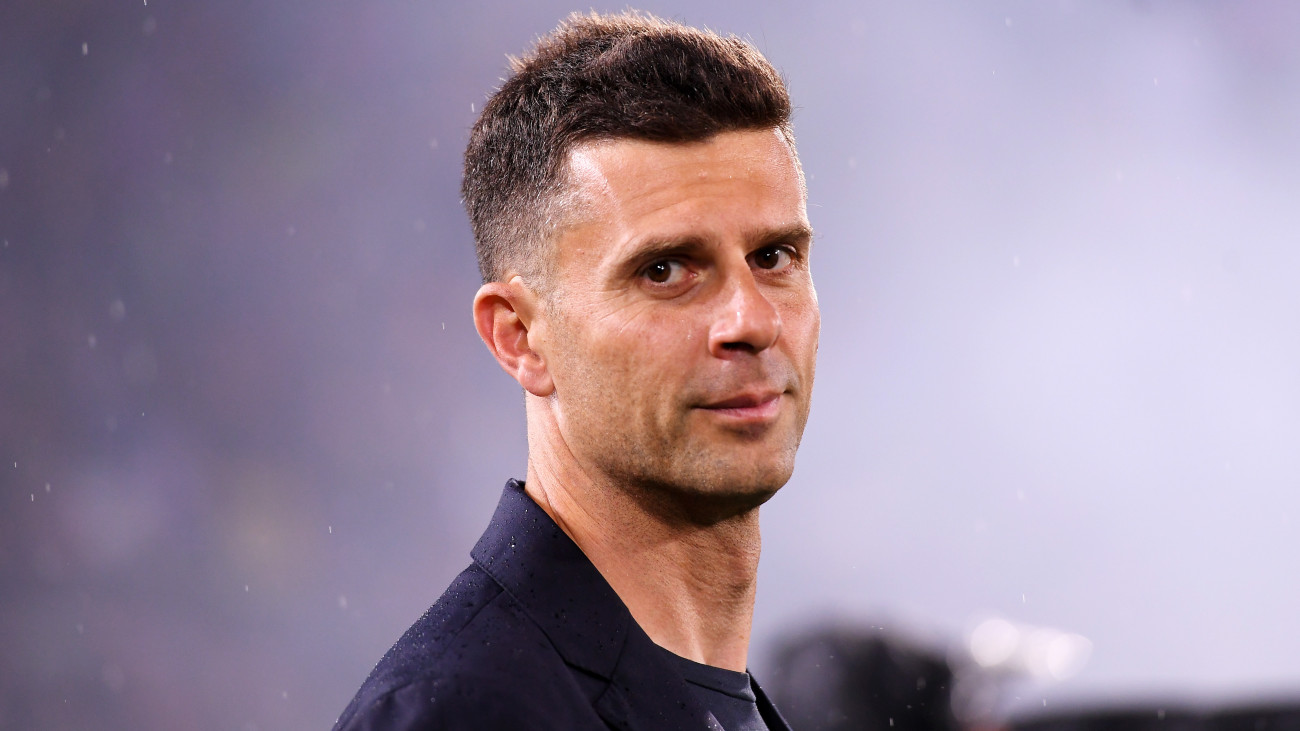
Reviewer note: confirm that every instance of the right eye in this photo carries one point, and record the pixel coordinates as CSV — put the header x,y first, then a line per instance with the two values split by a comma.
x,y
666,271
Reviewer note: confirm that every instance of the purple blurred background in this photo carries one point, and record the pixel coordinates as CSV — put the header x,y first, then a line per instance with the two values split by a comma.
x,y
247,432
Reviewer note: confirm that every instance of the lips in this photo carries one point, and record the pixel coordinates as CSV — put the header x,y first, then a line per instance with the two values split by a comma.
x,y
744,401
747,406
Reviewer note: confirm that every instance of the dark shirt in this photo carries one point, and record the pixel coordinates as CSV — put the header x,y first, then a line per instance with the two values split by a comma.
x,y
727,693
530,636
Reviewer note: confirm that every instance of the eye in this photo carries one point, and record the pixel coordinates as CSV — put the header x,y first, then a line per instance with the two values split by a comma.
x,y
773,258
665,271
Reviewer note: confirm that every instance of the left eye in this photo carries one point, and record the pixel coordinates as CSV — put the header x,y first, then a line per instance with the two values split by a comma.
x,y
773,259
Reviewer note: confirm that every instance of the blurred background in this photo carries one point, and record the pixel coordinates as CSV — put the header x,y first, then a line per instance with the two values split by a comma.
x,y
248,434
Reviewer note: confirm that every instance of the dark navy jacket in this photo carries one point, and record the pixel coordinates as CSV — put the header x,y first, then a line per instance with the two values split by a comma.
x,y
530,636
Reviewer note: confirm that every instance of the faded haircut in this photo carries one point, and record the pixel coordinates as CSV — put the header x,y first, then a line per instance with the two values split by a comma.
x,y
601,77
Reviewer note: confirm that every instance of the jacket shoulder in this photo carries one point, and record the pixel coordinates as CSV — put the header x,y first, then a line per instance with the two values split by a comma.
x,y
473,660
468,702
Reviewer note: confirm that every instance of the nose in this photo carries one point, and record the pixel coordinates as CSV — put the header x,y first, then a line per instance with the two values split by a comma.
x,y
746,320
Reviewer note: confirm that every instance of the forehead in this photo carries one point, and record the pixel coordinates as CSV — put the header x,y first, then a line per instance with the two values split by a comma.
x,y
624,169
623,190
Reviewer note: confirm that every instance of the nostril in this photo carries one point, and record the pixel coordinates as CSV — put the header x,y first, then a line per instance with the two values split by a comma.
x,y
739,346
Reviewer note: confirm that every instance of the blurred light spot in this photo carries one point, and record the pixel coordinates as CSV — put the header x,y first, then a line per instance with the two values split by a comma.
x,y
85,49
993,641
117,311
1067,654
150,24
1039,652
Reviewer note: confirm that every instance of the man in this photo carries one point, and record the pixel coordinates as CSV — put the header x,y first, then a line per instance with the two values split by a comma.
x,y
639,212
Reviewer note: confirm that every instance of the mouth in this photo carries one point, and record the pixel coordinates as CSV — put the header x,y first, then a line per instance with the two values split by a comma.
x,y
747,407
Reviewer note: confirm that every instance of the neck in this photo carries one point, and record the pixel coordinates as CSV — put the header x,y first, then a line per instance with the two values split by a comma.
x,y
688,583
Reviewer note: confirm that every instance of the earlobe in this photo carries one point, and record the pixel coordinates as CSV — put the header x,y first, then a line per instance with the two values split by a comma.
x,y
506,317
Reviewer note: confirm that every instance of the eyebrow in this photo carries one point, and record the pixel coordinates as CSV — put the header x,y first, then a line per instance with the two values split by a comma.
x,y
794,233
655,248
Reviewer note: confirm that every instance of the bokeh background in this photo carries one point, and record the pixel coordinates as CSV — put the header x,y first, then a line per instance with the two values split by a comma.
x,y
247,432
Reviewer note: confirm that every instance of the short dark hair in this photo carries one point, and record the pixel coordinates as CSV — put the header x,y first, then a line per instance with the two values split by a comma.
x,y
624,76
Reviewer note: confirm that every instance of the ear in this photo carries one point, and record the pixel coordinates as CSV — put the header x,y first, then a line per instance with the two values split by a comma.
x,y
503,315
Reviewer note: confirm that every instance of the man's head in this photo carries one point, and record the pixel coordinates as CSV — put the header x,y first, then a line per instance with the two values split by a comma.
x,y
624,76
646,268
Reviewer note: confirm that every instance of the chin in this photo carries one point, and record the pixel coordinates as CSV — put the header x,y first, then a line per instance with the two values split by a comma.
x,y
708,508
707,494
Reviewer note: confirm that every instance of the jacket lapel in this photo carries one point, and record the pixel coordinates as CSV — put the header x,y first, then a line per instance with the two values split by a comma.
x,y
557,587
589,626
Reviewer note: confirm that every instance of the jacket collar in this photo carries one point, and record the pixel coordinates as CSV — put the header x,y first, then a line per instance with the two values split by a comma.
x,y
545,571
558,588
585,620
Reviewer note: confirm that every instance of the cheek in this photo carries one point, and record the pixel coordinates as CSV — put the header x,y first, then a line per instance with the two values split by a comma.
x,y
646,357
642,364
602,365
649,333
816,329
802,325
